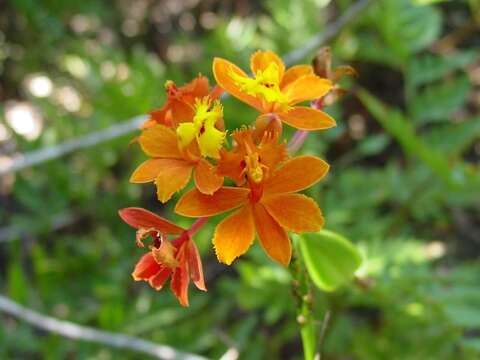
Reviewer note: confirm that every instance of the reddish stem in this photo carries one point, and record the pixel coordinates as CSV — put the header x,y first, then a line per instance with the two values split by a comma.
x,y
197,225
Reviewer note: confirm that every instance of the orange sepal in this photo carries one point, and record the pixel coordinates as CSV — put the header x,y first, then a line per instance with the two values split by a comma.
x,y
260,60
179,284
296,174
157,281
230,164
146,268
272,236
195,204
173,177
195,266
295,72
306,118
147,171
294,212
234,235
160,141
143,219
206,177
221,70
308,87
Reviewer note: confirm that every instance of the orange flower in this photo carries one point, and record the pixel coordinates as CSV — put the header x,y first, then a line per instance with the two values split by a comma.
x,y
179,106
268,205
275,92
175,154
178,259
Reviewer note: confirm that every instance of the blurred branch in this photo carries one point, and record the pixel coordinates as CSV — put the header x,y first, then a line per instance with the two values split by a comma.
x,y
49,153
57,222
73,331
56,151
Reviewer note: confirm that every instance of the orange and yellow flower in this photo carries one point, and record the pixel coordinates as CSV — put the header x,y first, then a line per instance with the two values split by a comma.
x,y
275,91
267,200
175,153
179,106
178,258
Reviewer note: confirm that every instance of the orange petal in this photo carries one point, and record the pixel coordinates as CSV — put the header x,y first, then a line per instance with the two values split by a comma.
x,y
308,87
182,111
179,284
195,204
230,164
296,174
195,266
159,280
147,171
146,268
143,219
221,70
173,177
294,73
271,151
198,87
306,118
234,235
273,237
261,59
294,212
160,141
206,178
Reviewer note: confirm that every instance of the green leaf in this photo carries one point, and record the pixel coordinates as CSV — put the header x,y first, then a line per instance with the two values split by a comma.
x,y
405,27
331,260
404,132
463,315
461,136
428,68
437,102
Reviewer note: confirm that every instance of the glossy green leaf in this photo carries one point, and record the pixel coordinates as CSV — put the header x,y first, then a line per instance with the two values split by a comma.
x,y
331,260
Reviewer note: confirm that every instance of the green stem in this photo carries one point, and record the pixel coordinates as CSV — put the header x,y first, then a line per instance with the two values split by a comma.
x,y
302,291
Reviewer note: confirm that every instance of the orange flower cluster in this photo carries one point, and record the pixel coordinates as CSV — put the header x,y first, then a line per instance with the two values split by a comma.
x,y
187,135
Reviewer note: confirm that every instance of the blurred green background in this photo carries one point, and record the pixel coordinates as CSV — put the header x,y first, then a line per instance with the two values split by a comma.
x,y
404,180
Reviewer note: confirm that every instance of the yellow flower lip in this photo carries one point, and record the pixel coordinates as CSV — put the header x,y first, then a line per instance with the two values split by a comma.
x,y
202,128
265,83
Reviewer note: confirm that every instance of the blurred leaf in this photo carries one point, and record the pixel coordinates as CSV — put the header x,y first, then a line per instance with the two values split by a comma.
x,y
17,283
404,132
464,315
331,260
461,136
428,68
472,344
373,145
438,102
405,27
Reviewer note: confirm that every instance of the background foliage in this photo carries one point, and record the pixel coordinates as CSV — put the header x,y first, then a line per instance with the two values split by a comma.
x,y
403,184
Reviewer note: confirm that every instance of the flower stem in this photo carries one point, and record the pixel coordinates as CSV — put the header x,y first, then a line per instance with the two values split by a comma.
x,y
302,291
297,141
197,225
